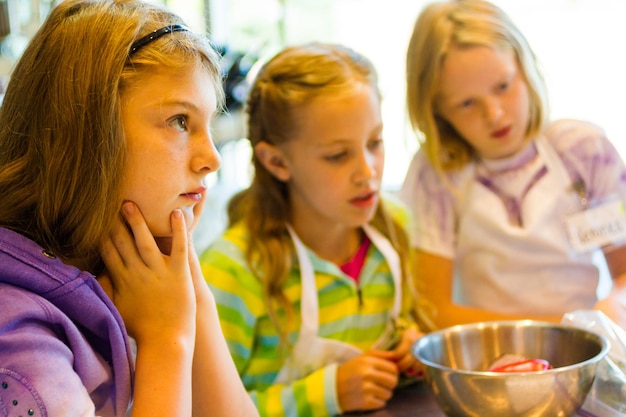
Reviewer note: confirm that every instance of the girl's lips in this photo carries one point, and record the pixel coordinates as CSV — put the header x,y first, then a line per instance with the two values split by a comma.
x,y
365,200
501,133
196,195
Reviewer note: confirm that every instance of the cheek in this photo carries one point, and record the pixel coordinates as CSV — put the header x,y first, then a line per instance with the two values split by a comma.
x,y
521,101
316,187
158,222
464,126
525,106
380,162
140,189
153,210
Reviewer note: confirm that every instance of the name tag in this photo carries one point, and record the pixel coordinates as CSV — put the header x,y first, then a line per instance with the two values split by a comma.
x,y
596,227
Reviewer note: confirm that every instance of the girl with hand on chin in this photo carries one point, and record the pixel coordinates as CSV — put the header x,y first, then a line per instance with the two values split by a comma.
x,y
311,276
508,205
104,151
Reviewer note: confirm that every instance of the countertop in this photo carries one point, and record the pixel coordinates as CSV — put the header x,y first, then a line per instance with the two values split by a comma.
x,y
412,400
415,400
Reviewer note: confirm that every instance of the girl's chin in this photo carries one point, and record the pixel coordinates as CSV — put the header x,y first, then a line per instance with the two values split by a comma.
x,y
191,218
163,228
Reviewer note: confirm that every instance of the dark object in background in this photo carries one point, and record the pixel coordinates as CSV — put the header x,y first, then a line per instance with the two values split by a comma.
x,y
5,23
235,68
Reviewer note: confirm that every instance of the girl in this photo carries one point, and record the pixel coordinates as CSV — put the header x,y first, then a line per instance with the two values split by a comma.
x,y
109,108
505,203
310,276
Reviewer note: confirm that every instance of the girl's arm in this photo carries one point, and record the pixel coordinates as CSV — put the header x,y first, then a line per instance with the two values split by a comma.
x,y
614,305
217,387
154,295
435,307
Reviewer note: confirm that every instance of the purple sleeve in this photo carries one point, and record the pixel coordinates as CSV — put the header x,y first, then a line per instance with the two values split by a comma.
x,y
37,376
431,204
589,155
18,397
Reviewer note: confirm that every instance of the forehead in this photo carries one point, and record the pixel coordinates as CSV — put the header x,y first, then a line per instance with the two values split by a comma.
x,y
339,116
362,97
166,93
467,68
160,81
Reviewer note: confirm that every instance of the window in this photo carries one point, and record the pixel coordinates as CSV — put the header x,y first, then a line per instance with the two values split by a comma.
x,y
576,41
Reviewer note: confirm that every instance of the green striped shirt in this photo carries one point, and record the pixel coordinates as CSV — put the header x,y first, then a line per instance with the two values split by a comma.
x,y
349,312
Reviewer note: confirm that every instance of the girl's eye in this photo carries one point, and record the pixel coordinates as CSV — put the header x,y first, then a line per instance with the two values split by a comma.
x,y
179,123
375,144
336,157
466,103
503,86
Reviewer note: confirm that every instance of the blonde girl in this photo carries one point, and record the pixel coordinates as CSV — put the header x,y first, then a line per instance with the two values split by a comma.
x,y
497,190
310,277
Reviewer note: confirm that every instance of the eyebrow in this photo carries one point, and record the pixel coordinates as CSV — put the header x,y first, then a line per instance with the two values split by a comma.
x,y
187,105
378,129
178,103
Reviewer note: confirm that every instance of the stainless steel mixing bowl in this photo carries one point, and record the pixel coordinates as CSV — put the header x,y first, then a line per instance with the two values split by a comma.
x,y
456,360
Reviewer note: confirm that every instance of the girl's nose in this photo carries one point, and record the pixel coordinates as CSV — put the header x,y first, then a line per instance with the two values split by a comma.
x,y
493,110
205,158
366,167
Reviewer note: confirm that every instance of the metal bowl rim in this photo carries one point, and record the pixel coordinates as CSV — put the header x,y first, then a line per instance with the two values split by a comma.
x,y
605,346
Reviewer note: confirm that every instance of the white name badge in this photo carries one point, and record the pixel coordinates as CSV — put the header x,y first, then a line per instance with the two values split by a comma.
x,y
597,227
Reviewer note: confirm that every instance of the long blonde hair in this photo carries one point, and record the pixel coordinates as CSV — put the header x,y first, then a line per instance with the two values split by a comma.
x,y
453,24
291,79
62,145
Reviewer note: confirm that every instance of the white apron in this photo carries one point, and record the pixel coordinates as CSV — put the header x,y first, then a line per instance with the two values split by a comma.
x,y
527,269
311,352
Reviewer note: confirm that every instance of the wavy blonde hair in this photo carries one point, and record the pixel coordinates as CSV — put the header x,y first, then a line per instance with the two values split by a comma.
x,y
290,80
460,24
62,144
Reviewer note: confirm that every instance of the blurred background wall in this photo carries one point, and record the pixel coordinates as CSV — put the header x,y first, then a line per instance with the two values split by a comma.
x,y
579,44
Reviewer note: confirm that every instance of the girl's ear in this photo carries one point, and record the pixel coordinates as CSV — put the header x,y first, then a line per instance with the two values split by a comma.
x,y
273,159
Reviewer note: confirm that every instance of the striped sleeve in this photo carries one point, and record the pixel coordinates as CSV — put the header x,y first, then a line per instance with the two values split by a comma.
x,y
311,396
237,297
254,342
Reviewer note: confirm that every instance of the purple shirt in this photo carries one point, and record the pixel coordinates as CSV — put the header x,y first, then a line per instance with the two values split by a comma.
x,y
585,151
64,350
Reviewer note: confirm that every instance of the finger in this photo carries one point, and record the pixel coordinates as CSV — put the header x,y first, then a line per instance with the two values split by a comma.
x,y
382,358
120,243
127,256
113,279
110,255
388,355
146,248
387,381
384,373
194,266
194,262
377,399
180,245
411,367
409,337
406,362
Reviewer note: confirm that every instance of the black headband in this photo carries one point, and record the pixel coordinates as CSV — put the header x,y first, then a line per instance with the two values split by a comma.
x,y
141,42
